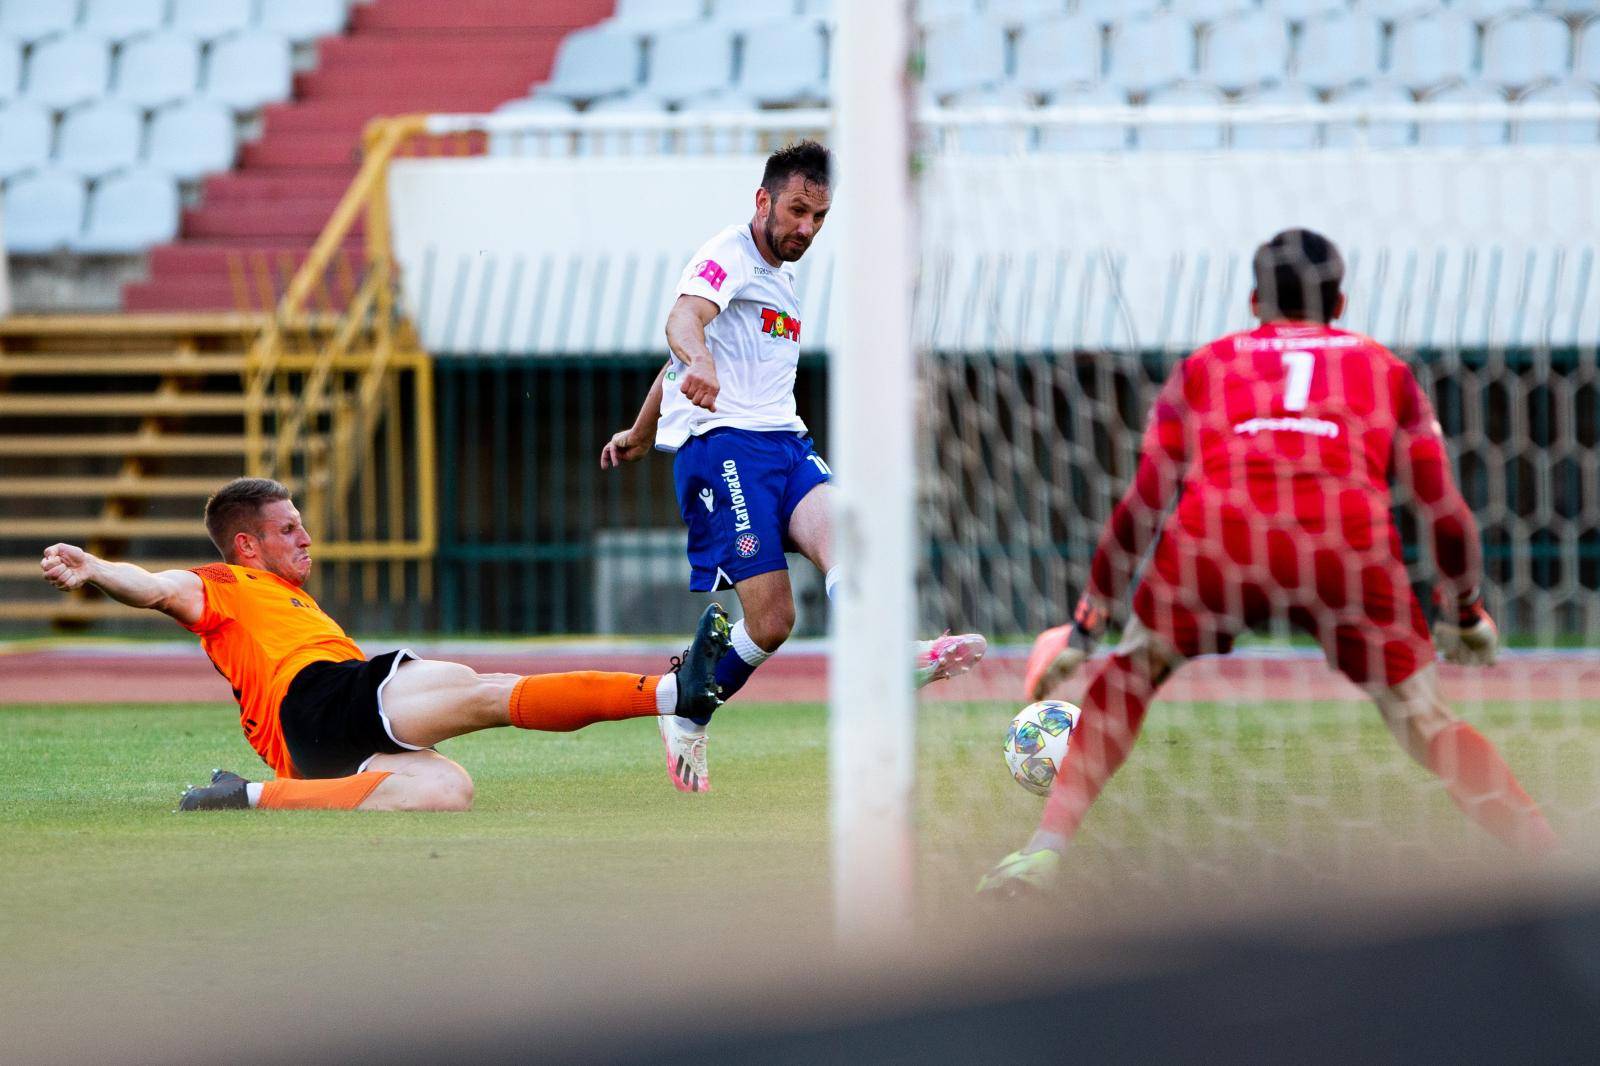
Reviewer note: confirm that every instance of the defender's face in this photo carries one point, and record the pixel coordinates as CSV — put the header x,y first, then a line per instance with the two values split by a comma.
x,y
795,216
283,546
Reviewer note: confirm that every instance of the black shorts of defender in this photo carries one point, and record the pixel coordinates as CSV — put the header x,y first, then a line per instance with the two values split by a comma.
x,y
331,717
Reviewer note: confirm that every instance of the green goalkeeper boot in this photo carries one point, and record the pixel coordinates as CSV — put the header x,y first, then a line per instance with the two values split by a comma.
x,y
1021,875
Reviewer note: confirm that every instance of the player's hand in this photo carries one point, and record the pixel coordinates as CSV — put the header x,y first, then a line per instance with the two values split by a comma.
x,y
1059,651
66,566
624,447
700,384
1464,632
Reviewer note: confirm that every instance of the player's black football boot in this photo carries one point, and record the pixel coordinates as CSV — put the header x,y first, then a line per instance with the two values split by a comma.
x,y
698,692
225,793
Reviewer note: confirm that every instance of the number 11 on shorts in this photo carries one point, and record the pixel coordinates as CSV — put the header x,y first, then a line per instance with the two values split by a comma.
x,y
1297,366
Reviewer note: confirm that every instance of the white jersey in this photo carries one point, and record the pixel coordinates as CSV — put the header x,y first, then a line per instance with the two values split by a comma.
x,y
755,340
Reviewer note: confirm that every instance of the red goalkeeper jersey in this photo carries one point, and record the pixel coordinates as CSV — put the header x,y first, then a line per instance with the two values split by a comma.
x,y
1290,428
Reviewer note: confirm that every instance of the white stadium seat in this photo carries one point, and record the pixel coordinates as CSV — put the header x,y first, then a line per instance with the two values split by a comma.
x,y
1339,49
26,133
929,12
1017,14
964,55
1380,134
1526,50
33,20
249,70
1558,131
210,19
1057,52
1586,62
104,136
532,143
625,142
594,63
158,69
191,140
1468,133
1210,10
639,15
1302,10
1116,11
990,138
129,213
1484,10
739,14
1245,51
801,79
10,68
44,212
304,20
1189,136
1431,50
1396,10
1097,137
117,19
690,61
1149,52
67,71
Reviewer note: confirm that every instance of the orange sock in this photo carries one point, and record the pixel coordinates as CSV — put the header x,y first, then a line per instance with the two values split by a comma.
x,y
1483,786
560,703
327,794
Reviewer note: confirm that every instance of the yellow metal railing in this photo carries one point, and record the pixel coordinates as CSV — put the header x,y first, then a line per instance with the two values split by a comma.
x,y
341,404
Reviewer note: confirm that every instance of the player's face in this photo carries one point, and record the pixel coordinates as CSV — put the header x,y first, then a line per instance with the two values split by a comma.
x,y
283,546
794,216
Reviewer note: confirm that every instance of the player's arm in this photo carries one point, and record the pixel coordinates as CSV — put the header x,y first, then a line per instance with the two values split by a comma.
x,y
633,443
178,593
1133,525
686,336
1464,631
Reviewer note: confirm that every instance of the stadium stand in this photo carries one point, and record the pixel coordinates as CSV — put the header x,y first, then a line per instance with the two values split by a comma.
x,y
44,211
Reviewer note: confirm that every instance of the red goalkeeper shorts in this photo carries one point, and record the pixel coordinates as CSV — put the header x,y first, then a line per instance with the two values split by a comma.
x,y
1201,593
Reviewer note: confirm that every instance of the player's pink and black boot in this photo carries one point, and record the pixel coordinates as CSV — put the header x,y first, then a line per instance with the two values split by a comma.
x,y
683,734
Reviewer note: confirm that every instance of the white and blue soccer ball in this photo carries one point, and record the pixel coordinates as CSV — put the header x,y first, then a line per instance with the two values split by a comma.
x,y
1037,742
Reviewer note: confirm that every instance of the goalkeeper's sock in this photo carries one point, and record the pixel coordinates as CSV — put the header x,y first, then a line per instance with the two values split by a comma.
x,y
1483,786
735,668
560,703
327,794
1113,711
830,581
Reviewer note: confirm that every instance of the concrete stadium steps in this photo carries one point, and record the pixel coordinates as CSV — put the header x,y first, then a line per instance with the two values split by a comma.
x,y
400,56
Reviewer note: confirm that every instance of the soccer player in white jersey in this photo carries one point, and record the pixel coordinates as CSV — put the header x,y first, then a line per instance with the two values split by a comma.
x,y
750,485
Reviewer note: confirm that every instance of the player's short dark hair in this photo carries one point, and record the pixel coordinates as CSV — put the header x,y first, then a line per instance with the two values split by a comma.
x,y
1299,274
236,507
810,160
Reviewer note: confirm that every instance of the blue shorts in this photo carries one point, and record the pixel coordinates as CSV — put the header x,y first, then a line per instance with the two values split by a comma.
x,y
736,491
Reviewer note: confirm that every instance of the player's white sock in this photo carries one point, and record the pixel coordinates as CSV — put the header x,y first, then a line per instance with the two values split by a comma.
x,y
745,648
830,580
252,793
667,694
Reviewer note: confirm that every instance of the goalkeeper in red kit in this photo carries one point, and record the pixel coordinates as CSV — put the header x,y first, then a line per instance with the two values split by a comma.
x,y
1263,484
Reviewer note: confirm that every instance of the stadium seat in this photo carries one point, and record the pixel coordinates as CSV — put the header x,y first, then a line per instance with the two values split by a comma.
x,y
801,79
44,212
1151,51
304,20
742,13
640,15
1107,12
1197,136
1245,51
1431,50
532,142
1301,10
990,138
191,140
249,70
104,136
1525,50
30,21
210,19
931,12
10,68
594,63
1384,133
1016,14
1097,137
26,130
1483,10
625,142
825,10
690,61
158,69
1338,49
68,71
1558,131
964,55
1210,10
1467,133
129,213
1057,52
119,19
1295,135
1395,10
1586,59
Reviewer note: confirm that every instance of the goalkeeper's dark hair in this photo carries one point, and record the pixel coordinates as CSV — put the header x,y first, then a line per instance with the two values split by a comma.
x,y
236,508
1299,274
810,160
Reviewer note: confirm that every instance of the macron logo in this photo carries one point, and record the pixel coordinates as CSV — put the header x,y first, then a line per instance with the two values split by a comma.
x,y
708,498
1315,427
712,272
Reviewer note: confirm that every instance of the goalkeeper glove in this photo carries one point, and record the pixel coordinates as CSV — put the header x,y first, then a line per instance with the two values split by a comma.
x,y
1463,631
1059,651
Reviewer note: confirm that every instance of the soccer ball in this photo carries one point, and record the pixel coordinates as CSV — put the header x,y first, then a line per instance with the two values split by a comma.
x,y
1037,742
